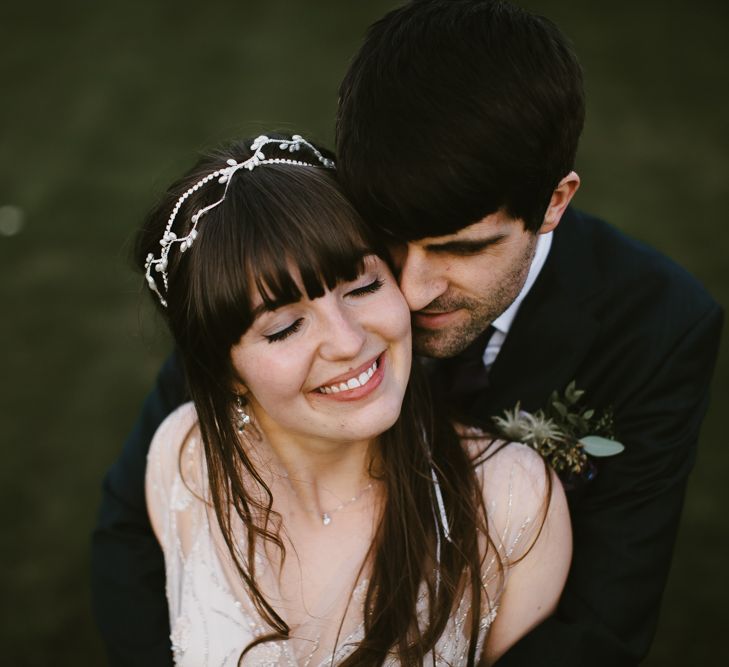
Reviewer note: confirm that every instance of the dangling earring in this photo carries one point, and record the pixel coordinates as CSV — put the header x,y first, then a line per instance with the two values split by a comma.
x,y
242,418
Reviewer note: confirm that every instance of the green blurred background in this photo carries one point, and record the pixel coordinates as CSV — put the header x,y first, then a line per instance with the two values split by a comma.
x,y
103,103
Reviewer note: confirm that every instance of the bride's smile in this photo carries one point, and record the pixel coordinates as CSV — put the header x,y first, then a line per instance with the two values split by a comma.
x,y
357,379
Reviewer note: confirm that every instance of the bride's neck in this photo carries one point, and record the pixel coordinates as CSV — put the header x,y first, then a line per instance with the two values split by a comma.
x,y
315,467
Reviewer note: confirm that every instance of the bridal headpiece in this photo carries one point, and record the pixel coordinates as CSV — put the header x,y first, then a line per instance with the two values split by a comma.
x,y
158,265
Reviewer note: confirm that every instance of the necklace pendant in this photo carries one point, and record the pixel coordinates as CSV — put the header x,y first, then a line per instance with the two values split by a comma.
x,y
326,519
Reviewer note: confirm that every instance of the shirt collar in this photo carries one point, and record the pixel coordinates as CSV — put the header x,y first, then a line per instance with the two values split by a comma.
x,y
503,322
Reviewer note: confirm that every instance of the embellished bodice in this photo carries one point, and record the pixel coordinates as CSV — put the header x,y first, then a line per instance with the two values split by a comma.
x,y
212,618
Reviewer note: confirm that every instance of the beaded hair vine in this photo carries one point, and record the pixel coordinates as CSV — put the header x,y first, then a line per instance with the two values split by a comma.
x,y
169,238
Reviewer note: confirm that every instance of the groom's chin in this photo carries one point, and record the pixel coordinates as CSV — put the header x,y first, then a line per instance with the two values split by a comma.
x,y
441,343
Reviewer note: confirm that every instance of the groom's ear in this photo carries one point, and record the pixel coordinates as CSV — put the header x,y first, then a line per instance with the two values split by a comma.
x,y
561,196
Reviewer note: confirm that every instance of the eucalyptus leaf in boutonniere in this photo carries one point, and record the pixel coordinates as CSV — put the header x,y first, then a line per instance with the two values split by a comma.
x,y
565,433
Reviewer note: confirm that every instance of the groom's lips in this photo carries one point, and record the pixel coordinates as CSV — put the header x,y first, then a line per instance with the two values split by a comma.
x,y
425,320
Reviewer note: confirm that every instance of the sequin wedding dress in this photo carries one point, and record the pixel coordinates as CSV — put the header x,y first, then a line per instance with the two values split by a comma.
x,y
212,617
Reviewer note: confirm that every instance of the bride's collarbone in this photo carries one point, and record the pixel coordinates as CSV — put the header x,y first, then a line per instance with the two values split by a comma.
x,y
346,537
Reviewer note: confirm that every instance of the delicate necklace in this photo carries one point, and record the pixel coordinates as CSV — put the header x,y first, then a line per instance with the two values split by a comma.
x,y
326,517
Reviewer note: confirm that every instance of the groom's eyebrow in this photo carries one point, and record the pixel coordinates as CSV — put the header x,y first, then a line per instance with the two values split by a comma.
x,y
465,245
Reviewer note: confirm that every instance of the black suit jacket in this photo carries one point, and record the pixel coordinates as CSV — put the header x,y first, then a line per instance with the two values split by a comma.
x,y
630,327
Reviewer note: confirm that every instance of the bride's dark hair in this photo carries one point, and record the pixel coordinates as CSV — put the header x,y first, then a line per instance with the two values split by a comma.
x,y
273,218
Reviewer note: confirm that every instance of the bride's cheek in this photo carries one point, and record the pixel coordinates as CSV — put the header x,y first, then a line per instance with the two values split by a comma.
x,y
403,318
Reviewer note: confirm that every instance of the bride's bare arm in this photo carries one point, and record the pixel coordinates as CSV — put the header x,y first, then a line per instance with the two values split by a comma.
x,y
535,525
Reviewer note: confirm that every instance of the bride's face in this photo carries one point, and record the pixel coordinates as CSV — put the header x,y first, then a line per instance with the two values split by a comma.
x,y
333,368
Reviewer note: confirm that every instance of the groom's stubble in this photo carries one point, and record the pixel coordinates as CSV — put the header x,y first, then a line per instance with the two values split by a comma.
x,y
487,296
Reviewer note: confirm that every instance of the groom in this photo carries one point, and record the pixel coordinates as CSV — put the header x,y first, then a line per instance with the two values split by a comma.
x,y
457,131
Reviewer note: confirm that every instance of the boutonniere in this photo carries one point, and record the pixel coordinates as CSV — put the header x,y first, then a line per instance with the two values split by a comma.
x,y
565,433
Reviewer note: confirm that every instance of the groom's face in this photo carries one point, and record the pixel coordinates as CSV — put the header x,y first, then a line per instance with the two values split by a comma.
x,y
457,285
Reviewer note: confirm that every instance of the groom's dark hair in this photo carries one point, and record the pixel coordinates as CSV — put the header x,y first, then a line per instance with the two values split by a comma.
x,y
454,109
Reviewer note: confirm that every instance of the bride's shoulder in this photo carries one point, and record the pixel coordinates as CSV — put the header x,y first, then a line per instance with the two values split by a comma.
x,y
174,476
178,430
516,483
177,427
496,460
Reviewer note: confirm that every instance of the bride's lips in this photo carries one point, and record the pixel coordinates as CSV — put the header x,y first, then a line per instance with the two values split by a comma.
x,y
326,391
425,320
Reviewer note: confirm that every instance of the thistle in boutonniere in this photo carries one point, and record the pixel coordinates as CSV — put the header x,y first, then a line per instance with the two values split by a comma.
x,y
565,433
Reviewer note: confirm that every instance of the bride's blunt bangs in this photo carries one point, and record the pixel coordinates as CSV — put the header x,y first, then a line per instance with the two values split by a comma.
x,y
279,224
315,232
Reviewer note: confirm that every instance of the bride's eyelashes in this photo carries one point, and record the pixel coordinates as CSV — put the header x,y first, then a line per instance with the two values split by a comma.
x,y
374,286
283,334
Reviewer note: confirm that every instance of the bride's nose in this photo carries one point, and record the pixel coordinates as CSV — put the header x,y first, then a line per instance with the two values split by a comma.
x,y
342,333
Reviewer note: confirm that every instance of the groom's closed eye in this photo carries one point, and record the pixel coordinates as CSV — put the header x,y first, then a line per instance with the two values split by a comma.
x,y
465,246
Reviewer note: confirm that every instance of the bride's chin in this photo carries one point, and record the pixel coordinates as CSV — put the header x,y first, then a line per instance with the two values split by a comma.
x,y
386,419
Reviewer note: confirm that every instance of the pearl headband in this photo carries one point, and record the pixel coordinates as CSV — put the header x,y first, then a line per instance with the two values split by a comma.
x,y
169,238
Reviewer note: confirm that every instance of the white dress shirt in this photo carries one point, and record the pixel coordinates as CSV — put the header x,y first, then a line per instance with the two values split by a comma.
x,y
503,322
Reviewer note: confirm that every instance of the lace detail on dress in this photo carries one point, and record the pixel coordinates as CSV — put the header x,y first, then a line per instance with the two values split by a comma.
x,y
211,617
180,636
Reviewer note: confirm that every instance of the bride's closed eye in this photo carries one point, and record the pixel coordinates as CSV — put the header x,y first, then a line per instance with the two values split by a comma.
x,y
374,286
283,334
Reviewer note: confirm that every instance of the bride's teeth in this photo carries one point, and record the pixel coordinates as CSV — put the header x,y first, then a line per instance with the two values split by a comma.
x,y
352,383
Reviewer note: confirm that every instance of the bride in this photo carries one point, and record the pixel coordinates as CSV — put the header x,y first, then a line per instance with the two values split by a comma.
x,y
314,507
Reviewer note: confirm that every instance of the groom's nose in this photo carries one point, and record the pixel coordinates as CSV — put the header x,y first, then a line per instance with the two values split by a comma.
x,y
421,276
